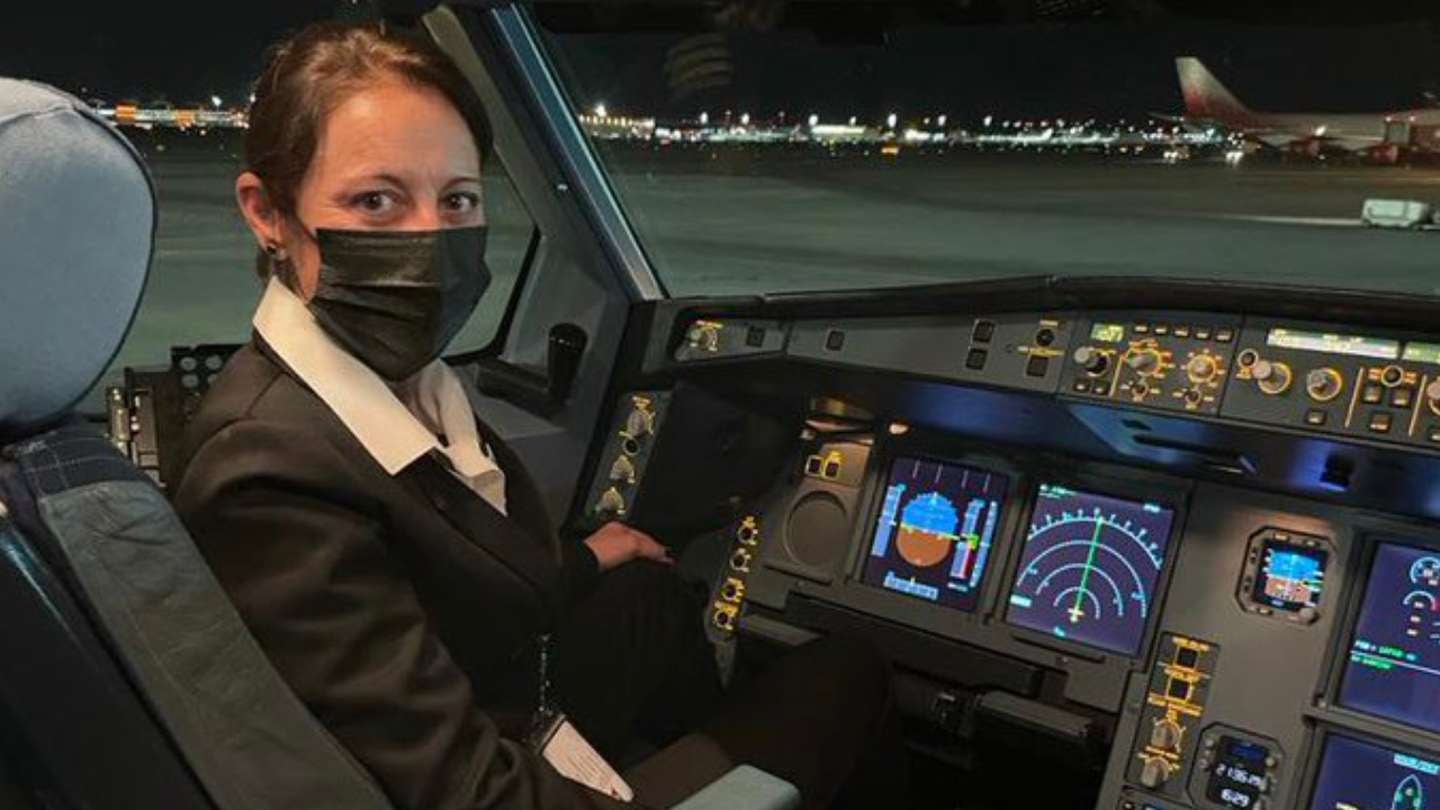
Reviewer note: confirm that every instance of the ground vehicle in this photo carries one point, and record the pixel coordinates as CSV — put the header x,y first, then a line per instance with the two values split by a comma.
x,y
1396,213
1267,451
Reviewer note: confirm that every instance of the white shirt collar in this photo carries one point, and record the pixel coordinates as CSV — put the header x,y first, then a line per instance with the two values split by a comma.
x,y
395,432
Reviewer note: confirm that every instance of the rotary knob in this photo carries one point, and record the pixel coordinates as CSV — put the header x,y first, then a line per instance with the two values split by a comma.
x,y
1145,362
702,335
1432,397
1324,384
1155,773
623,470
611,502
1273,378
639,423
1202,368
1091,360
1166,736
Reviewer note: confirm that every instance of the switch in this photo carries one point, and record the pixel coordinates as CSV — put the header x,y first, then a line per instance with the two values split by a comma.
x,y
1045,337
1187,658
1402,397
1141,329
1155,773
611,502
835,340
1100,388
1380,422
1162,329
1202,333
755,337
1182,331
1082,386
984,331
1166,736
1224,335
1434,435
623,470
975,360
1315,417
1372,395
1037,365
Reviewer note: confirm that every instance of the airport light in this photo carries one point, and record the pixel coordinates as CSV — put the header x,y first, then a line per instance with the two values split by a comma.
x,y
891,120
853,120
215,100
704,118
600,111
744,119
814,119
942,119
989,119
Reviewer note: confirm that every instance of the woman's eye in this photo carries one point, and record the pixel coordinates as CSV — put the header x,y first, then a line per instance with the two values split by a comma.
x,y
374,202
462,202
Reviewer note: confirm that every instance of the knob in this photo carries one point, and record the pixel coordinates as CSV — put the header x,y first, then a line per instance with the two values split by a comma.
x,y
1273,378
639,423
1166,736
1324,384
1432,397
1091,360
704,335
623,470
1202,368
1392,376
1155,773
1144,362
611,502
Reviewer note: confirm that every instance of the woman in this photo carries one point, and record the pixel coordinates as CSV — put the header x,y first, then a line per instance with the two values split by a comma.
x,y
387,550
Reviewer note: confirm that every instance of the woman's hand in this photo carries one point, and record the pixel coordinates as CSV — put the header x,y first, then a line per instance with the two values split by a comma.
x,y
616,544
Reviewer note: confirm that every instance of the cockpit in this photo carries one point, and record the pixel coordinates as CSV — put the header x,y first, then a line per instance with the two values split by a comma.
x,y
1115,438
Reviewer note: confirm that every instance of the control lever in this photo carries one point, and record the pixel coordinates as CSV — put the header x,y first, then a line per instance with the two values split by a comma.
x,y
543,393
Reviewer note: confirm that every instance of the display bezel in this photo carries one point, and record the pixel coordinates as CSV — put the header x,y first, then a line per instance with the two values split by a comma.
x,y
875,504
1310,778
1106,487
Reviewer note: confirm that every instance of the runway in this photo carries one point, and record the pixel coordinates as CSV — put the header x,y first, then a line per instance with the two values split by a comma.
x,y
781,219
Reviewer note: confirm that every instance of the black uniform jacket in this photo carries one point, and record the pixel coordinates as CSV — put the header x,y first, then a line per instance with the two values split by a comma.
x,y
403,610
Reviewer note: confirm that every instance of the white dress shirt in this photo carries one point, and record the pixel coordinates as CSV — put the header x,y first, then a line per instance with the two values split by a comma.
x,y
396,423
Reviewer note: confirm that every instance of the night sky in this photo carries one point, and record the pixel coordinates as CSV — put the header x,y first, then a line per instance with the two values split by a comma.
x,y
185,51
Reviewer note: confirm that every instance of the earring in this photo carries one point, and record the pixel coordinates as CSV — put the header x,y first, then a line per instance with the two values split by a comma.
x,y
275,252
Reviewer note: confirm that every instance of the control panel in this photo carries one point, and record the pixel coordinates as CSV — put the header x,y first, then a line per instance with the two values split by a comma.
x,y
1175,361
627,450
1169,730
1235,769
1315,378
719,339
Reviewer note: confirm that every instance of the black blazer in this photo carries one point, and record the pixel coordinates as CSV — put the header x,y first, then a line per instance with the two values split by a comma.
x,y
395,606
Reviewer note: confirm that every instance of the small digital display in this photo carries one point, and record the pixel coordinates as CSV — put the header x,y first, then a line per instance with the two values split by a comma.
x,y
1090,568
936,531
1422,353
1290,578
1356,345
1394,665
1356,775
1107,333
1239,776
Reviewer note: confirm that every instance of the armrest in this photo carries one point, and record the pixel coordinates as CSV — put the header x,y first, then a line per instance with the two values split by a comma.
x,y
744,788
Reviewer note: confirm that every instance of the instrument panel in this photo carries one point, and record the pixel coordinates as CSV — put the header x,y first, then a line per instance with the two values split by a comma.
x,y
1241,639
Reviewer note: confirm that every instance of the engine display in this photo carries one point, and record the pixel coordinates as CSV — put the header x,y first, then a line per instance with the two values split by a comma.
x,y
1090,567
1394,665
1355,774
936,531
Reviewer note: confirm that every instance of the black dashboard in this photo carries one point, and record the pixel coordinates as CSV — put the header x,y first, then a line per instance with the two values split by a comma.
x,y
1195,546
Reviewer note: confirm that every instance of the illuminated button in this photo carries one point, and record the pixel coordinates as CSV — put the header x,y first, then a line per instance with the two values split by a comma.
x,y
1248,358
976,359
1141,329
1162,329
1155,773
835,340
755,337
1037,365
832,469
813,465
1166,736
1100,388
1187,657
1392,376
1380,422
1434,435
983,332
1180,690
1091,359
1402,397
1315,417
1182,331
1224,335
1202,333
1372,394
1082,386
1045,337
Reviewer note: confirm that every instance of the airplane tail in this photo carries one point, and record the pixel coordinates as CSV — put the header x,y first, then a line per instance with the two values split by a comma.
x,y
1205,96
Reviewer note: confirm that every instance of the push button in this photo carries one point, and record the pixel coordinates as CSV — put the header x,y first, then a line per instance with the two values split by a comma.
x,y
1402,397
984,331
755,337
1082,386
1315,417
1372,394
1037,365
1224,335
1380,422
835,341
975,360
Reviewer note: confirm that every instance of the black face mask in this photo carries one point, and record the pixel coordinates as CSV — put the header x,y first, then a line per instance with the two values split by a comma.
x,y
395,299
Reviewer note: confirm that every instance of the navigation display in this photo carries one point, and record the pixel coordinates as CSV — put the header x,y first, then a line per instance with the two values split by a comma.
x,y
1090,567
1357,775
1357,345
936,531
1394,666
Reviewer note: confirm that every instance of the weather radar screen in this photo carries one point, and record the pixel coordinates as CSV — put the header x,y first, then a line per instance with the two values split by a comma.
x,y
1394,665
1089,569
936,531
1357,775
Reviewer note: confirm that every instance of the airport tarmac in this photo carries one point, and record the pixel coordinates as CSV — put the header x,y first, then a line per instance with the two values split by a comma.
x,y
746,221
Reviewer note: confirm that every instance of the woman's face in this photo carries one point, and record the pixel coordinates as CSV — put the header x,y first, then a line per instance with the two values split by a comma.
x,y
392,156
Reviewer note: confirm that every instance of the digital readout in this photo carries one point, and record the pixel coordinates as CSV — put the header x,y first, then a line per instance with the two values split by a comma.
x,y
1422,353
1357,345
1109,333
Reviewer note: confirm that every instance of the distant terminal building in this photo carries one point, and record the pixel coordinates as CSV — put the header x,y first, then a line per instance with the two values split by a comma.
x,y
618,127
133,115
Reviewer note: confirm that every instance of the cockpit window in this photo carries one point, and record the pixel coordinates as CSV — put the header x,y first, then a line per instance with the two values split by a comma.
x,y
768,146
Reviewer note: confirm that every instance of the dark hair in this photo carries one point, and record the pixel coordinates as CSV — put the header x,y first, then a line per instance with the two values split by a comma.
x,y
312,72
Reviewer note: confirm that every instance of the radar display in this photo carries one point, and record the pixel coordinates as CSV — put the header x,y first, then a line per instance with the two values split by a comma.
x,y
1394,665
935,532
1356,774
1090,567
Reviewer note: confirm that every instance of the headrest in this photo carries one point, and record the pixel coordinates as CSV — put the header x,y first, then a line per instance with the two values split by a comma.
x,y
77,224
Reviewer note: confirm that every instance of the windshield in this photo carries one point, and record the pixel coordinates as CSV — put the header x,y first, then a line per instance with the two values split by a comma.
x,y
772,146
